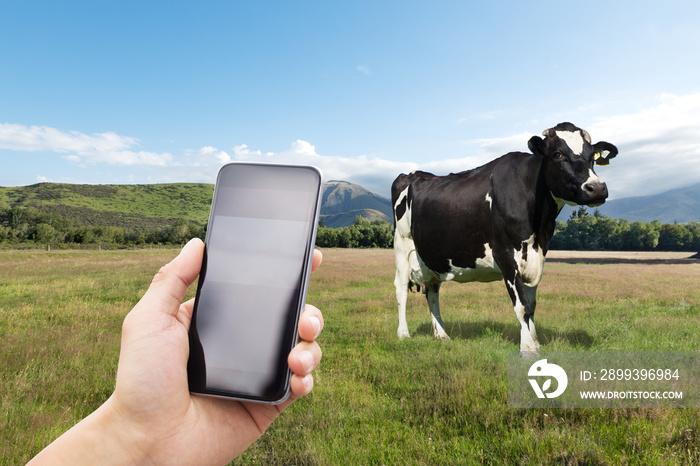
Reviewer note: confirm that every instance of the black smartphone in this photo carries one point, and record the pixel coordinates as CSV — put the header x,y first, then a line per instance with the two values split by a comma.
x,y
253,282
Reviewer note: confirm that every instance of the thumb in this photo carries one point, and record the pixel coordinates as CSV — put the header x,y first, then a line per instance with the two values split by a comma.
x,y
170,284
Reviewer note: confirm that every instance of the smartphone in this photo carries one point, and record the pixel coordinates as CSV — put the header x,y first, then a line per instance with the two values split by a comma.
x,y
252,286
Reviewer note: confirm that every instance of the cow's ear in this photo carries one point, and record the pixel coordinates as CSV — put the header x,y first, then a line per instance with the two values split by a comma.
x,y
537,145
603,152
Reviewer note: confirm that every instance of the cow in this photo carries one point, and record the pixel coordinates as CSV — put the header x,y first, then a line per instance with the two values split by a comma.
x,y
493,222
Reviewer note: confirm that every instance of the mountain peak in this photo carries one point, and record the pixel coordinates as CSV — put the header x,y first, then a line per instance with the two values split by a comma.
x,y
343,201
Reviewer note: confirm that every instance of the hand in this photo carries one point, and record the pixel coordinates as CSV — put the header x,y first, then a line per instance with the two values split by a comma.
x,y
151,416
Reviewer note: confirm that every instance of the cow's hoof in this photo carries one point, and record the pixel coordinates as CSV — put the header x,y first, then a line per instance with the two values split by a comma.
x,y
529,354
403,334
442,336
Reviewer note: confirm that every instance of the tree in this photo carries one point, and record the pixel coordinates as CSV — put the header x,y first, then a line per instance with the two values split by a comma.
x,y
641,237
694,229
44,234
361,234
327,237
674,237
180,232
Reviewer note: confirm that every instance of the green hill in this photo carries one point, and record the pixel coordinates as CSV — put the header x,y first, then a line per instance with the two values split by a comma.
x,y
153,206
128,206
348,218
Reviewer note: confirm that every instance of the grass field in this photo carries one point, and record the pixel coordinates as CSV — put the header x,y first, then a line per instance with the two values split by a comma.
x,y
377,400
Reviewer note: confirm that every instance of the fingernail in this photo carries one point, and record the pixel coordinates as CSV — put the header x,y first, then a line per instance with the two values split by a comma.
x,y
188,243
308,382
316,324
307,361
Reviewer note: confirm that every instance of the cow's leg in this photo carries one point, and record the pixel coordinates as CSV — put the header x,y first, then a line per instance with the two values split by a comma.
x,y
432,294
401,284
525,312
532,298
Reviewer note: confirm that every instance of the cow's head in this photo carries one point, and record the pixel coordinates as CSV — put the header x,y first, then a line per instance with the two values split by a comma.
x,y
569,157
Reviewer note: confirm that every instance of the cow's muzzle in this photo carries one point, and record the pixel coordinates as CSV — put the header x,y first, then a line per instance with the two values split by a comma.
x,y
596,192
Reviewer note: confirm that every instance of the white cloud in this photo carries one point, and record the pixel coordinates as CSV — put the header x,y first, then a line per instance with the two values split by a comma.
x,y
659,147
659,150
364,70
243,153
303,148
106,147
374,173
212,153
72,158
495,147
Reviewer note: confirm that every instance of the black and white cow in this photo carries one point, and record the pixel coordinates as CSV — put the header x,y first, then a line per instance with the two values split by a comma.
x,y
492,222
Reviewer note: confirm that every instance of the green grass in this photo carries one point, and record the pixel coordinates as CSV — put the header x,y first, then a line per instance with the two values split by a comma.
x,y
60,323
377,400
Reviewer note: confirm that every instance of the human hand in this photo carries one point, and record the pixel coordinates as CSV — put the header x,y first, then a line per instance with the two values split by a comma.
x,y
152,416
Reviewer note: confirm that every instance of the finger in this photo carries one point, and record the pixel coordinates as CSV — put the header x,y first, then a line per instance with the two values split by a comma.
x,y
170,284
301,386
316,259
310,323
304,358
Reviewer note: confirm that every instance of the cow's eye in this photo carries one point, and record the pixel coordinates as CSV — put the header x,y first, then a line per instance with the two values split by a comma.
x,y
558,155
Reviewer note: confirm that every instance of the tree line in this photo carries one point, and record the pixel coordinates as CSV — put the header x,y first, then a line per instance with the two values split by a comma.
x,y
27,226
582,231
361,234
596,232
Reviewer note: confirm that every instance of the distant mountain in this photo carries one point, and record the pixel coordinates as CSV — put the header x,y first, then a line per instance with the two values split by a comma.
x,y
678,205
343,201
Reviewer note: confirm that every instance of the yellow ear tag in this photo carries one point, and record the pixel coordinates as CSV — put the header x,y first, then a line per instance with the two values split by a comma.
x,y
604,155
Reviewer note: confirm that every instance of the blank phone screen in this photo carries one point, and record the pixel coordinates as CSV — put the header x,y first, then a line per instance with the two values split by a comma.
x,y
253,280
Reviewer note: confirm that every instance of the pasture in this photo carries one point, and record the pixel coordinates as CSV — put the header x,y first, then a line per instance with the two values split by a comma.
x,y
377,400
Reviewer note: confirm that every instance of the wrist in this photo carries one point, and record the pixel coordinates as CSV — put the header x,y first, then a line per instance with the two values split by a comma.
x,y
104,437
128,440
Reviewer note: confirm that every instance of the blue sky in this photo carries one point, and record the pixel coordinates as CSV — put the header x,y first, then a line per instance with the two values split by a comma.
x,y
167,91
